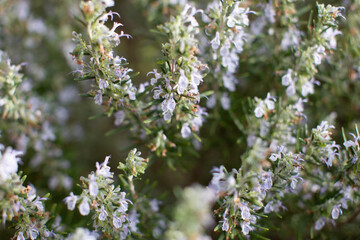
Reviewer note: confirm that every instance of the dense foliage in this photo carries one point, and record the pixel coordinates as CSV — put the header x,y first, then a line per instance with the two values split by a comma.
x,y
245,113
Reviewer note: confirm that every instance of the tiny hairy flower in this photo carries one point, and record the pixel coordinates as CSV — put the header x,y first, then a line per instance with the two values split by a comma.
x,y
320,223
286,80
225,101
225,224
9,163
157,75
84,207
93,186
308,88
103,169
118,221
108,3
185,131
119,118
71,201
33,233
183,82
291,38
98,97
336,211
245,211
245,227
103,214
123,203
350,143
103,84
215,43
20,236
318,54
82,234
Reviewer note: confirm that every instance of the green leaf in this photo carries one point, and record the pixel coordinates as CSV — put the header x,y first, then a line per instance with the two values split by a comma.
x,y
97,116
116,130
84,78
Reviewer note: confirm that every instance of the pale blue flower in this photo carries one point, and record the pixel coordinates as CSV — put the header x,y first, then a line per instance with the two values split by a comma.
x,y
84,207
336,211
103,214
71,201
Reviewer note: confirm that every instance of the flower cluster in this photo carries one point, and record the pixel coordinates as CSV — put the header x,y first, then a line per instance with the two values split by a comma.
x,y
105,202
176,86
289,166
226,23
112,77
20,205
310,54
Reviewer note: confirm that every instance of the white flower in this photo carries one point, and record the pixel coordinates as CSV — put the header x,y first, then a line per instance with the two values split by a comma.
x,y
188,16
108,3
182,83
269,12
20,236
185,131
269,207
131,91
330,35
229,81
9,163
98,97
320,223
167,115
336,211
290,90
225,101
123,203
93,187
103,169
307,88
299,106
103,83
155,78
133,220
33,233
38,203
168,104
290,39
269,101
47,132
196,77
31,195
82,234
157,93
103,214
245,211
239,41
286,80
350,143
142,87
71,201
84,207
211,102
318,54
119,117
267,180
118,221
225,224
215,43
154,204
246,228
259,110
